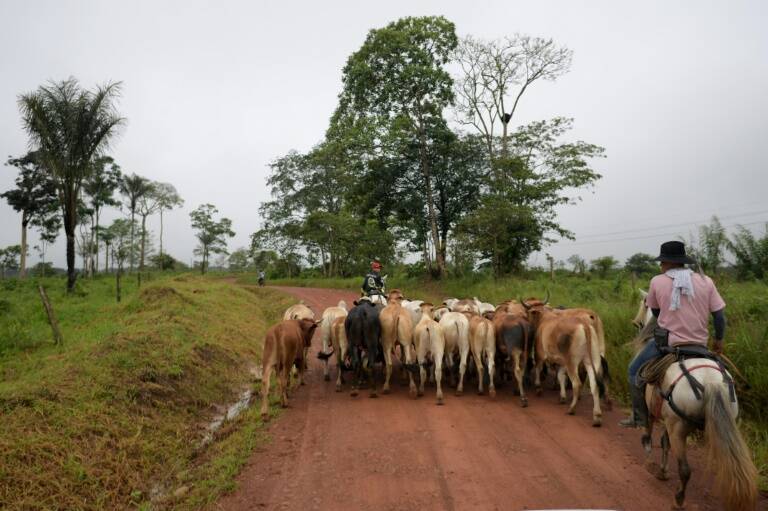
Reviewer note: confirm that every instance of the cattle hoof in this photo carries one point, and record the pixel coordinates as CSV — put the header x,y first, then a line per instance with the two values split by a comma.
x,y
302,382
413,393
353,393
338,388
479,392
440,401
459,393
385,391
492,393
570,411
563,400
597,422
327,377
524,402
538,391
373,394
419,393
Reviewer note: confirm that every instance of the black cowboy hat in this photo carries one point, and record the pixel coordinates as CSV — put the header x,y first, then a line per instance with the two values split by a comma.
x,y
674,252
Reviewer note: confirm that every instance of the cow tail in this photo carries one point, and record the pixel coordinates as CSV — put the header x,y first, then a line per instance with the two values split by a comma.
x,y
594,349
596,360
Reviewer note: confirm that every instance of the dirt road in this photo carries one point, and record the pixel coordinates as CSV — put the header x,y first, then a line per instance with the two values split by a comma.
x,y
332,451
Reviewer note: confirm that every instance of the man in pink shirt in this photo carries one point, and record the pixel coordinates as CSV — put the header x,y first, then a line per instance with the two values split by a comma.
x,y
682,302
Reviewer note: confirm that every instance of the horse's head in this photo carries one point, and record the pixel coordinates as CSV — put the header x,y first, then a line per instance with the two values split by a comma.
x,y
644,314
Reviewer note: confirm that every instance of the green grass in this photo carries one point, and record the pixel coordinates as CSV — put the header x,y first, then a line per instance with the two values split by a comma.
x,y
616,302
120,408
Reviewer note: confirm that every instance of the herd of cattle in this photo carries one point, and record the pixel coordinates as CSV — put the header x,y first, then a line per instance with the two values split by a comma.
x,y
509,337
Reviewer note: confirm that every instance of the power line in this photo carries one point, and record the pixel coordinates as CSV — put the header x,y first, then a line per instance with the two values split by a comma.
x,y
657,235
681,224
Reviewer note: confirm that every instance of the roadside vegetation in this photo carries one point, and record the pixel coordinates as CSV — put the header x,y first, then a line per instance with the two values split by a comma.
x,y
115,417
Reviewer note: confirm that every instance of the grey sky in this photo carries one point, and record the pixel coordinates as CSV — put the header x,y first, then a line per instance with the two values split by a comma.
x,y
675,92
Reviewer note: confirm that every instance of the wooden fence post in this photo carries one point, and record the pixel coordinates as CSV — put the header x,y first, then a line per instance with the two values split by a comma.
x,y
58,339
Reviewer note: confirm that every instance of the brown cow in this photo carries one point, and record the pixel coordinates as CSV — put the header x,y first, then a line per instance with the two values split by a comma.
x,y
283,347
568,341
593,319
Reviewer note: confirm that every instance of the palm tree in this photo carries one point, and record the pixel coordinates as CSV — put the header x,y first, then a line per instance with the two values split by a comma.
x,y
134,188
69,126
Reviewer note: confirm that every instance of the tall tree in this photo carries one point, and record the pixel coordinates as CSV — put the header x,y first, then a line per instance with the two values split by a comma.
x,y
69,126
495,75
134,187
397,80
35,198
148,204
168,198
122,247
211,234
100,189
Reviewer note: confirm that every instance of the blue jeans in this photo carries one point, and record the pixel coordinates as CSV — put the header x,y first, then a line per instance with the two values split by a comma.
x,y
648,352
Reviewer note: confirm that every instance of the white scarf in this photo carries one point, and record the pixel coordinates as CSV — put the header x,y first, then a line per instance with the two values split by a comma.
x,y
682,284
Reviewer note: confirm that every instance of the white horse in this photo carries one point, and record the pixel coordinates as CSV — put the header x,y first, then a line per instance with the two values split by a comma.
x,y
712,405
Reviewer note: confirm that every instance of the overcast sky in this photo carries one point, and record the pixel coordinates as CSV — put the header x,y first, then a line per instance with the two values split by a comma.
x,y
213,91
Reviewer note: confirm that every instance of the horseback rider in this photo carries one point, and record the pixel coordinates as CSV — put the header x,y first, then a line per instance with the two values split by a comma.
x,y
374,282
682,302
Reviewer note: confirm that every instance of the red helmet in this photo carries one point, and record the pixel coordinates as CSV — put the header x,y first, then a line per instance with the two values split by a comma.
x,y
376,265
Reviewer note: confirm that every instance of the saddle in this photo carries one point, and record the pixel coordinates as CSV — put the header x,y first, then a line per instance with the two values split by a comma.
x,y
653,371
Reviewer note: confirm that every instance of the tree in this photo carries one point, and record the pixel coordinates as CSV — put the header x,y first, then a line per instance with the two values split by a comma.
x,y
69,126
9,258
397,80
502,232
35,198
100,188
166,262
239,260
602,265
495,75
641,263
134,187
709,251
751,253
167,199
122,248
148,204
578,263
210,234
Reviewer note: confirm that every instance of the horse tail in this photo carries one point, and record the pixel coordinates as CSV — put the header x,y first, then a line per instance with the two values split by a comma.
x,y
735,472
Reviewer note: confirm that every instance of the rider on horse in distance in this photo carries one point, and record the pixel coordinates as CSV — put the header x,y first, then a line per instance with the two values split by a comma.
x,y
682,302
374,282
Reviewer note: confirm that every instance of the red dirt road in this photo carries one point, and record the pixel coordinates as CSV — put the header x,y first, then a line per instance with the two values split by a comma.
x,y
332,451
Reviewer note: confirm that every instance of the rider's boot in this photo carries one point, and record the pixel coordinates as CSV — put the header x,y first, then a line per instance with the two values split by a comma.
x,y
639,416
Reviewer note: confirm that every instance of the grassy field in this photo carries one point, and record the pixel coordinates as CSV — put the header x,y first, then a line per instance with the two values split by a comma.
x,y
616,301
114,418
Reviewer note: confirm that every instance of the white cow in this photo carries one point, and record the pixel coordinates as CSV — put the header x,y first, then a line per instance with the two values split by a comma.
x,y
414,309
455,327
329,315
483,307
428,339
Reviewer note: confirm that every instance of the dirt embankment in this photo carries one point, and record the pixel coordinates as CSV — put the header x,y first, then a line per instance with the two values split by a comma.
x,y
331,451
